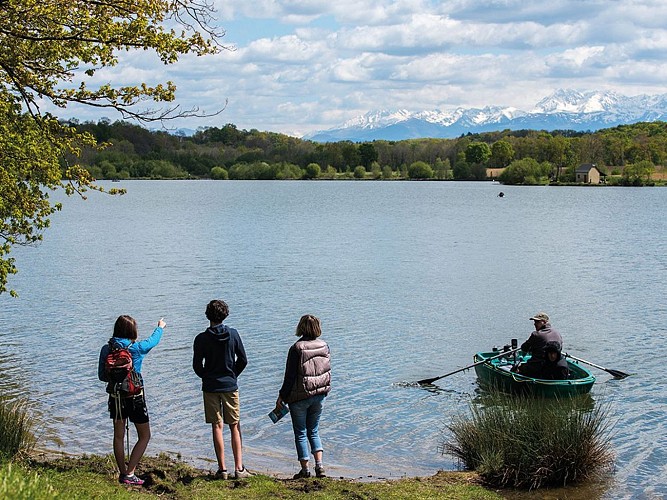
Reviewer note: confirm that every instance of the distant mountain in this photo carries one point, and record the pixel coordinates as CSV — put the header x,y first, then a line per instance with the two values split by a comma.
x,y
563,110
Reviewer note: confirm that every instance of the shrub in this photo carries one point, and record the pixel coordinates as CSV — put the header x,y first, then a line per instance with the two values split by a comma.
x,y
219,173
359,172
285,170
526,171
313,171
16,426
532,442
420,170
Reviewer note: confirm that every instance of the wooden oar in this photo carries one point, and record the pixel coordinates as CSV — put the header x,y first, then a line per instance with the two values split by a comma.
x,y
615,373
427,381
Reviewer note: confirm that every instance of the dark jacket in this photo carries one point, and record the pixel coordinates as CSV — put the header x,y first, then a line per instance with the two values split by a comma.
x,y
307,372
219,357
538,340
555,370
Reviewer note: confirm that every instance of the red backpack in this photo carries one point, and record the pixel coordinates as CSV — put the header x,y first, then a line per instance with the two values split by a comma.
x,y
123,379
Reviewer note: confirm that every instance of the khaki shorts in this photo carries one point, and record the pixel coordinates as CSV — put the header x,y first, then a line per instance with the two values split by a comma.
x,y
222,406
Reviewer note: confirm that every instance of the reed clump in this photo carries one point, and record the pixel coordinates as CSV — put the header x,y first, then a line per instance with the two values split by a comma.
x,y
16,429
528,442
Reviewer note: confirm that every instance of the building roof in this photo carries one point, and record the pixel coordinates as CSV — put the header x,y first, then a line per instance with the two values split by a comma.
x,y
584,168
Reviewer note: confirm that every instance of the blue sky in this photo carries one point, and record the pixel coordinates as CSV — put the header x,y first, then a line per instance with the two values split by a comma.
x,y
304,65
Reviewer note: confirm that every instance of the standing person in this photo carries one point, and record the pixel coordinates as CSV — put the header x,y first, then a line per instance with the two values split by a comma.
x,y
544,333
125,334
218,359
307,382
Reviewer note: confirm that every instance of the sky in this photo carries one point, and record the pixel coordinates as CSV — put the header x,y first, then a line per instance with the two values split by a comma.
x,y
299,66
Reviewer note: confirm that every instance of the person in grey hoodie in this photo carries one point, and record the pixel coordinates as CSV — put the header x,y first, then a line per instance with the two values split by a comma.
x,y
219,358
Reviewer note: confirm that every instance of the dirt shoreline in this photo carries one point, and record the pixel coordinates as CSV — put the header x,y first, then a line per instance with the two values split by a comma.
x,y
45,455
165,475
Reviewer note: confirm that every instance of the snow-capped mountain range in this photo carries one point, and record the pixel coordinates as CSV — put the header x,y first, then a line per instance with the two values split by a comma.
x,y
562,110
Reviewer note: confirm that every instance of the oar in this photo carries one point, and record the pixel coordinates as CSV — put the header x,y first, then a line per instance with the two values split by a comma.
x,y
615,373
431,380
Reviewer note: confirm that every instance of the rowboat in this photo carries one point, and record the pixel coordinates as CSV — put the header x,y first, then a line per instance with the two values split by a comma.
x,y
495,373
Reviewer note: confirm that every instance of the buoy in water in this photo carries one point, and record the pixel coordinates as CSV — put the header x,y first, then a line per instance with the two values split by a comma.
x,y
501,194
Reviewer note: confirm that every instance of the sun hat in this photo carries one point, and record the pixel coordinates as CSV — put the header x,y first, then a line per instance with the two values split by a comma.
x,y
542,316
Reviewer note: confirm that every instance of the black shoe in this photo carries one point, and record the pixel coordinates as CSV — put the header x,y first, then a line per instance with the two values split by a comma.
x,y
303,473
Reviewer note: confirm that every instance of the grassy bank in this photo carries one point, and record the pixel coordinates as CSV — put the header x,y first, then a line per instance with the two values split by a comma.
x,y
95,477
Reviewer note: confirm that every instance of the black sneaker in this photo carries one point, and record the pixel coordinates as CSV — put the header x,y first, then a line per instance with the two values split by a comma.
x,y
302,474
319,472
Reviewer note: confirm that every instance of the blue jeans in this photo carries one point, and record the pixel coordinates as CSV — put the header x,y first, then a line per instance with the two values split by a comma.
x,y
306,423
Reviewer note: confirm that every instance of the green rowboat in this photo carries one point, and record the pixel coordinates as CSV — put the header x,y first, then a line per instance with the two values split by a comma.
x,y
495,373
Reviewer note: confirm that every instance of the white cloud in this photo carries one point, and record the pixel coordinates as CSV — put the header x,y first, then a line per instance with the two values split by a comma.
x,y
328,61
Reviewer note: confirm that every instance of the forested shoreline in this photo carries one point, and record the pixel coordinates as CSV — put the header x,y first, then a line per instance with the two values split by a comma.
x,y
626,154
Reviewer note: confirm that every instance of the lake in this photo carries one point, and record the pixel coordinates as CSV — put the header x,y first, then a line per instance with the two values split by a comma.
x,y
410,279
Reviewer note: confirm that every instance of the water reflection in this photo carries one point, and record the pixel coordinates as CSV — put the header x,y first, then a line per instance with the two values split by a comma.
x,y
13,383
485,397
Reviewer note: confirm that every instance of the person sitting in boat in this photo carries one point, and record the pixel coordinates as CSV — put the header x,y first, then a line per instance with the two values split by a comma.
x,y
535,344
555,365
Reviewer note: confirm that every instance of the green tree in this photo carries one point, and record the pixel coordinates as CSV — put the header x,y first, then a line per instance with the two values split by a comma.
x,y
219,173
477,153
286,170
359,172
376,170
420,170
526,171
502,154
461,170
50,51
367,154
638,174
312,171
442,169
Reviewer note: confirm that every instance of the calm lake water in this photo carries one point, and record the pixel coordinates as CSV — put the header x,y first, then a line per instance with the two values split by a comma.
x,y
409,279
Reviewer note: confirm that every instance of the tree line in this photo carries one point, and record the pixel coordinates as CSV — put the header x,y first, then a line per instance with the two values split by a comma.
x,y
627,153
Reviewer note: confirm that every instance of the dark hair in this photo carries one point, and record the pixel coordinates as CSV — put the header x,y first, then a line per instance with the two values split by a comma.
x,y
125,328
309,327
217,311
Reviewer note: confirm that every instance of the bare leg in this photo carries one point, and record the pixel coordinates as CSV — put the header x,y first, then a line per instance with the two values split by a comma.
x,y
219,444
143,437
318,457
237,445
118,448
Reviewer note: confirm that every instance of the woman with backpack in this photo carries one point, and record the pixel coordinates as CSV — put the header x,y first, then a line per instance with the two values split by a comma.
x,y
120,366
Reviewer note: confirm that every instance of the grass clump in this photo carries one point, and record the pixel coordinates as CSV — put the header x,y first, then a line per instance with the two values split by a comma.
x,y
526,442
19,483
16,425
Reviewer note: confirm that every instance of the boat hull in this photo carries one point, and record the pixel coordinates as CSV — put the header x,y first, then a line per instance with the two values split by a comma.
x,y
496,374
